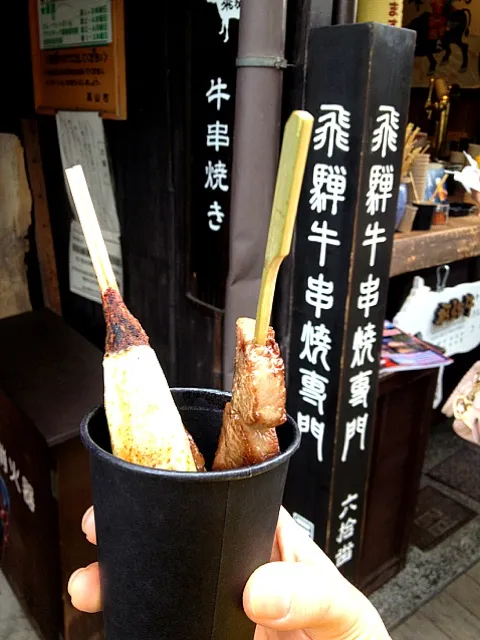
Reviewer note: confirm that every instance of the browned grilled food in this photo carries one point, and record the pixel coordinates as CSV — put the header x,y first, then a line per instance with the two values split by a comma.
x,y
144,423
197,456
248,433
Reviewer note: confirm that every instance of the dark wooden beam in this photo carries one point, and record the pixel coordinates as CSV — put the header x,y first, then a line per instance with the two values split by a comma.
x,y
43,230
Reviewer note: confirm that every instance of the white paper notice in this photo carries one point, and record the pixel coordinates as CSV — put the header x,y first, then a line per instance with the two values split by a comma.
x,y
82,141
82,276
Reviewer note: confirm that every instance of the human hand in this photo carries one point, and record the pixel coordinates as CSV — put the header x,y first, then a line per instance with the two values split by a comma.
x,y
299,595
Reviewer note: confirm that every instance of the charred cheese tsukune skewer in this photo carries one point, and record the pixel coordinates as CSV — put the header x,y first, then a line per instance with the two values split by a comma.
x,y
144,423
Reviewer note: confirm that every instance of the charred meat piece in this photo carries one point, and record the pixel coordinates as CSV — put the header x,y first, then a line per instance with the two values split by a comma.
x,y
241,445
258,392
248,433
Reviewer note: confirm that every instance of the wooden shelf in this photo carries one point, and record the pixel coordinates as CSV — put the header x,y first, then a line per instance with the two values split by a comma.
x,y
457,240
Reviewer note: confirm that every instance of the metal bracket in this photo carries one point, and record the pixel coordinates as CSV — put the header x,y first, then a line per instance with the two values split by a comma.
x,y
442,276
262,61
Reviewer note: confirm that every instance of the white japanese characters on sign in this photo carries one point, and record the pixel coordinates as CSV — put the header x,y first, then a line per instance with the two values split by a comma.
x,y
379,194
317,344
358,426
11,471
327,192
319,294
344,554
349,504
364,340
329,186
215,216
217,93
313,388
218,137
369,294
334,129
380,188
374,235
359,389
346,530
216,175
385,135
309,424
325,237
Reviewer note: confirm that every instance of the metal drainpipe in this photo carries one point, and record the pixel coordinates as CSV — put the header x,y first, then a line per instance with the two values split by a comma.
x,y
344,12
261,51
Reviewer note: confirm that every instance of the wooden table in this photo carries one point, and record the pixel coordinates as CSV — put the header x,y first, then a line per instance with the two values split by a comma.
x,y
457,240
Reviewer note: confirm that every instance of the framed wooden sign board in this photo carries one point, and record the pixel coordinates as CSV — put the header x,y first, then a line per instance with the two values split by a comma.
x,y
78,56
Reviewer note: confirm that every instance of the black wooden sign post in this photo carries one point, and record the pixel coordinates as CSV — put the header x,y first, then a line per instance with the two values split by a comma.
x,y
214,44
357,87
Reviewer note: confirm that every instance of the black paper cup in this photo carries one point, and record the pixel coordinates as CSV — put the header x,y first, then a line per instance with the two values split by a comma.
x,y
176,549
424,216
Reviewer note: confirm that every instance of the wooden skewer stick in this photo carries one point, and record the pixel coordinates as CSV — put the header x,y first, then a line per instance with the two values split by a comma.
x,y
415,193
291,169
91,229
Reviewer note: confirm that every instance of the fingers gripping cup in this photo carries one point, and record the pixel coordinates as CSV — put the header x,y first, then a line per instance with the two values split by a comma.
x,y
176,549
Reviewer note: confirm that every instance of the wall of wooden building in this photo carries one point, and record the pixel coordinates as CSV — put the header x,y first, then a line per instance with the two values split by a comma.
x,y
149,163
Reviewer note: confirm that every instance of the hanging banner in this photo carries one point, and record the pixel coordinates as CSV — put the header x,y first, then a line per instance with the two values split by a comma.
x,y
344,240
214,42
78,56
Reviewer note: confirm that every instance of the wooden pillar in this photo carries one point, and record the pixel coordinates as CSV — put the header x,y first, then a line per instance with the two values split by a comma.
x,y
357,87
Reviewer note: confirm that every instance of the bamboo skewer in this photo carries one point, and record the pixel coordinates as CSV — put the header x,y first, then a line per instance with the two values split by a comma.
x,y
415,192
293,158
91,229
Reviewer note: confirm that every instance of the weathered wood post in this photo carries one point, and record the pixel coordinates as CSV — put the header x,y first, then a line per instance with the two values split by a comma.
x,y
357,87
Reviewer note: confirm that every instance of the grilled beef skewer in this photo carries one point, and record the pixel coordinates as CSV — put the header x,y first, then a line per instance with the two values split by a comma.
x,y
248,433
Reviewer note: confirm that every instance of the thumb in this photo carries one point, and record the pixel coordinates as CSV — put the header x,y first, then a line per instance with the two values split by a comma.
x,y
293,596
